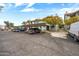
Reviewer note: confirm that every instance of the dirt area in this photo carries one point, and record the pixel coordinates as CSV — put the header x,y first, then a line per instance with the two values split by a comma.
x,y
59,34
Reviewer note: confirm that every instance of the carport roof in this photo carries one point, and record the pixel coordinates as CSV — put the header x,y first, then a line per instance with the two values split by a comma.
x,y
36,25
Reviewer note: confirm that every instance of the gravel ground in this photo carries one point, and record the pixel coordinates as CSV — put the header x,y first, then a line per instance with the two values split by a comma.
x,y
22,44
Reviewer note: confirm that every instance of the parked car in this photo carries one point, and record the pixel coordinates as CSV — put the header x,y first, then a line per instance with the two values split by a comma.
x,y
16,30
74,31
22,29
33,30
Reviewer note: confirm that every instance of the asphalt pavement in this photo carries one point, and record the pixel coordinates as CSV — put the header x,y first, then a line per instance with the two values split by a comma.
x,y
43,44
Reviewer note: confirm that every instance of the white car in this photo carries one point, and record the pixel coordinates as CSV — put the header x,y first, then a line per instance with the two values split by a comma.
x,y
74,31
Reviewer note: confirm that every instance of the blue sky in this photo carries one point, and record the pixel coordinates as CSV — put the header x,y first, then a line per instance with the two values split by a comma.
x,y
17,13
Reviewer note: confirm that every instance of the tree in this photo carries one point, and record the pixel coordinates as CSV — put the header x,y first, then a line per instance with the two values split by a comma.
x,y
48,19
37,20
23,23
53,20
9,24
71,20
29,21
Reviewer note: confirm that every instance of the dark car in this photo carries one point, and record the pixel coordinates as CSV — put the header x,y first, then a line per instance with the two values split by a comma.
x,y
18,30
33,30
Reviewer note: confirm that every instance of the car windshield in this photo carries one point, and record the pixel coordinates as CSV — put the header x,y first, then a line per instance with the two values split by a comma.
x,y
33,29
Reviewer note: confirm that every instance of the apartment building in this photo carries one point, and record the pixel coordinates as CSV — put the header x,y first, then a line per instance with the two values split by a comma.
x,y
67,15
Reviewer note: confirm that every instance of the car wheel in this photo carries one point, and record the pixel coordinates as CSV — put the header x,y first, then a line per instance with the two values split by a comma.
x,y
75,39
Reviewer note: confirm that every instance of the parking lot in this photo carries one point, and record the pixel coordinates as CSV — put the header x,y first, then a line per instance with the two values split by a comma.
x,y
43,44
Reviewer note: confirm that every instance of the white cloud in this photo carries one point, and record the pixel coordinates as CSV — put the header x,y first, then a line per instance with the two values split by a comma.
x,y
69,10
39,1
30,5
2,4
62,11
63,4
27,9
17,4
73,8
30,10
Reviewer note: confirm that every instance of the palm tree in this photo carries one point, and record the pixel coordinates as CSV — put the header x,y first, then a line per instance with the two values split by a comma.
x,y
23,23
8,24
29,22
